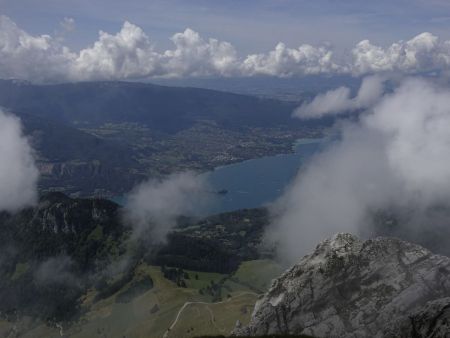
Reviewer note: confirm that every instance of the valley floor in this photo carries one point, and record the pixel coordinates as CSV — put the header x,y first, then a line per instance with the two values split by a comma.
x,y
165,310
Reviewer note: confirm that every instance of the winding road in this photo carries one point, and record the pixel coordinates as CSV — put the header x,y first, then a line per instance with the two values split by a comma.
x,y
185,305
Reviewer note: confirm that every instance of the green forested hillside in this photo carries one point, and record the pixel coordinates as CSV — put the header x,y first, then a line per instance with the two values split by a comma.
x,y
54,253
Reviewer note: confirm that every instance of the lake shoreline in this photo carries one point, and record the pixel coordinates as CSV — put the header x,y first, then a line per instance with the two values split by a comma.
x,y
254,182
294,145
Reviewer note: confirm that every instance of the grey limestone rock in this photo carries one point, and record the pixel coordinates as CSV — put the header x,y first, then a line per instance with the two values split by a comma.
x,y
382,287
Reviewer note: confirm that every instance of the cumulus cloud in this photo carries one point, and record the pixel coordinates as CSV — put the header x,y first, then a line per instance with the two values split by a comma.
x,y
424,52
285,62
197,57
18,172
396,156
340,101
154,206
130,54
35,58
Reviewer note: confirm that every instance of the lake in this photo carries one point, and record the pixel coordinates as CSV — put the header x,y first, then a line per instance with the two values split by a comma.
x,y
256,182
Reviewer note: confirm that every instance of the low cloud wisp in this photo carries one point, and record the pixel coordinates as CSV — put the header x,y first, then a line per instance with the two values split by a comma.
x,y
338,101
131,54
18,172
153,207
395,157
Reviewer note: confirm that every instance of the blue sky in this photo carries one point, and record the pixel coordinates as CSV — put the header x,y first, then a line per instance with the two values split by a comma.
x,y
250,25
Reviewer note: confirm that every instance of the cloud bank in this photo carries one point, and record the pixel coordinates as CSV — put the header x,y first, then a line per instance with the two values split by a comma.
x,y
396,156
339,100
153,207
130,54
18,172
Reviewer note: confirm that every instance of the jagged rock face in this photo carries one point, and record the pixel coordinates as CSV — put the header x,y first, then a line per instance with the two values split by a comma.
x,y
431,320
382,287
87,230
61,214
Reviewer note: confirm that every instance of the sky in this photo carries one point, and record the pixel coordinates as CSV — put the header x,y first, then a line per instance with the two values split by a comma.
x,y
251,27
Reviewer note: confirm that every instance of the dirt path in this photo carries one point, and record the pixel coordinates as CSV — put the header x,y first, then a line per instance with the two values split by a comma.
x,y
185,305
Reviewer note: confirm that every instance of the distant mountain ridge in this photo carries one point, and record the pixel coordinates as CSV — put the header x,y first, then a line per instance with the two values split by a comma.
x,y
166,109
69,157
101,138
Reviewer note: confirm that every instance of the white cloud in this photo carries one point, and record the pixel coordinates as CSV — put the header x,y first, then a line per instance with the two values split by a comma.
x,y
32,58
18,173
422,53
284,62
193,56
130,54
395,157
340,101
154,206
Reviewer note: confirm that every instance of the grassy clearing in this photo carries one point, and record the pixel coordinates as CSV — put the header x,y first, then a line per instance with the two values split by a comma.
x,y
152,312
148,315
219,318
239,293
204,279
257,274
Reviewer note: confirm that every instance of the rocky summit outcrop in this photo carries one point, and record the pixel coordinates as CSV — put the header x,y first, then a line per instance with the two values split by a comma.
x,y
383,287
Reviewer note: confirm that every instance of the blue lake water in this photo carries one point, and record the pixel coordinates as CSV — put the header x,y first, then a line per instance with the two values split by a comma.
x,y
256,182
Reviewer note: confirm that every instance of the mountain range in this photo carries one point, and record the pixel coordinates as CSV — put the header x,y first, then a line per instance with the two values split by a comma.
x,y
101,138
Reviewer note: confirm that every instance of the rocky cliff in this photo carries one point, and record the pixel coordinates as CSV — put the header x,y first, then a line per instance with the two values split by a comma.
x,y
383,287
